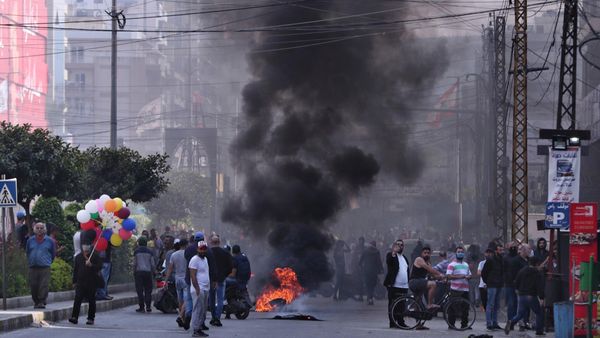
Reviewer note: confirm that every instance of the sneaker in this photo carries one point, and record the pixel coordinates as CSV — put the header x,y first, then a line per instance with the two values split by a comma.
x,y
507,327
179,321
217,323
90,322
148,309
140,310
227,316
199,333
490,328
422,328
186,323
203,327
497,327
73,320
109,297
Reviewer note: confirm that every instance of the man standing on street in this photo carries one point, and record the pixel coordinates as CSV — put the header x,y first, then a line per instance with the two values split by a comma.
x,y
458,273
530,286
86,280
492,274
178,266
200,278
144,265
224,264
396,279
40,255
22,229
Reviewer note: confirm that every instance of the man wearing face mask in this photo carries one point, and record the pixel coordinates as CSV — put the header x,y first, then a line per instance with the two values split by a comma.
x,y
40,255
86,279
200,278
396,279
458,273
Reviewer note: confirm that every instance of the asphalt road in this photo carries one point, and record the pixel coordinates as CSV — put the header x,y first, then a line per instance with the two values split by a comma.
x,y
338,319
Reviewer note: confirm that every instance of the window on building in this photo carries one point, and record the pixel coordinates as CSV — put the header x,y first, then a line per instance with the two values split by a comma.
x,y
80,79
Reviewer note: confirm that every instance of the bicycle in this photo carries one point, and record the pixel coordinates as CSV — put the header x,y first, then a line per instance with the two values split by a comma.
x,y
409,312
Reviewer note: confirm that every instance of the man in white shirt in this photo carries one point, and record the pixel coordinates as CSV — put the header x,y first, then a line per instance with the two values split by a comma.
x,y
76,243
199,275
396,279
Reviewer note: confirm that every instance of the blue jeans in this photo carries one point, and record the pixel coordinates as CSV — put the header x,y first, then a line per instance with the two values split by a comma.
x,y
187,298
527,303
219,294
493,304
510,297
101,293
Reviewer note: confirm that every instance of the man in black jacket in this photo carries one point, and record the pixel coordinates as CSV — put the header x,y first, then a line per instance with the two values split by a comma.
x,y
224,264
529,283
370,264
86,279
492,274
510,293
396,279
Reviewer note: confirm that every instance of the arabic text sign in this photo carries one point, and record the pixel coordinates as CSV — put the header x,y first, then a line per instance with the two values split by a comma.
x,y
557,215
563,175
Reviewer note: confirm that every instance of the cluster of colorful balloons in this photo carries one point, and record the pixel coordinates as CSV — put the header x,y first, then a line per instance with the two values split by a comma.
x,y
108,220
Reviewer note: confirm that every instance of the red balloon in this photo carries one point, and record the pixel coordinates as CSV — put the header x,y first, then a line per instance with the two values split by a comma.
x,y
88,225
102,244
124,234
123,213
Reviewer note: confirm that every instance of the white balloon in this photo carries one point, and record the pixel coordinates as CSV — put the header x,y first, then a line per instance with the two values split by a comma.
x,y
91,207
104,198
83,216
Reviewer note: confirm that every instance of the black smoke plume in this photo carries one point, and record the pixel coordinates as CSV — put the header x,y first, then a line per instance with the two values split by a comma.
x,y
324,114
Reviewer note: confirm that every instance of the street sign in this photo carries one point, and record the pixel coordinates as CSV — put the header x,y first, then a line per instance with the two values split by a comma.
x,y
557,215
8,193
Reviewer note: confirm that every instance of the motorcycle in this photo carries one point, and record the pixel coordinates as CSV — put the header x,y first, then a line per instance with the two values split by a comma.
x,y
238,301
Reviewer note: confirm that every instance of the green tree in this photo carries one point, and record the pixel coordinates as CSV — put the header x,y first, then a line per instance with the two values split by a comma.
x,y
43,164
49,210
122,173
187,199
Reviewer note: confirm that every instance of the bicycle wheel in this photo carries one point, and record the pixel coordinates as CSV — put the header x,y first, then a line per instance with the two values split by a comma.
x,y
407,313
455,310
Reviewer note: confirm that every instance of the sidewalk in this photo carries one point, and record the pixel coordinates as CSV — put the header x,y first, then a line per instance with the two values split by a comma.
x,y
25,316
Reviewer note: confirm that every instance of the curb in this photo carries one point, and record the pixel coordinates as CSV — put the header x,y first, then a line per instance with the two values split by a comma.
x,y
23,319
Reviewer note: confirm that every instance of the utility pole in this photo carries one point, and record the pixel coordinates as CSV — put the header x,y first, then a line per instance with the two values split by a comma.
x,y
520,207
501,160
113,78
568,69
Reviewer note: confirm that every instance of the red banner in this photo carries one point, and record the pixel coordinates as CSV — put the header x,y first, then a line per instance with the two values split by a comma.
x,y
583,239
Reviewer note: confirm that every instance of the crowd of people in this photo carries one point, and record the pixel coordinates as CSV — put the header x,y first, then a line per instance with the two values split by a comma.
x,y
200,268
518,275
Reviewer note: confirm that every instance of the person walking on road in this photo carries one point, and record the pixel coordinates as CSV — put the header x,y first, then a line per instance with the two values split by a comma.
x,y
40,254
200,279
224,265
86,280
144,265
178,266
530,286
396,279
370,263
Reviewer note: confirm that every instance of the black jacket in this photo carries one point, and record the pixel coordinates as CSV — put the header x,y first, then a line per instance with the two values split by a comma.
x,y
529,282
392,269
370,261
87,276
493,272
514,266
223,261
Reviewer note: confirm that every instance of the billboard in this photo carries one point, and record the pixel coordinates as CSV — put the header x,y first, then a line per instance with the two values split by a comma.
x,y
23,67
583,242
563,175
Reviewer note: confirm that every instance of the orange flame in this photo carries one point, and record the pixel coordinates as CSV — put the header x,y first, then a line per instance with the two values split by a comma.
x,y
288,290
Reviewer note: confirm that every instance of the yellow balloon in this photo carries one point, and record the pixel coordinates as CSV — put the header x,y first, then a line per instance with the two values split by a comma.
x,y
116,240
119,203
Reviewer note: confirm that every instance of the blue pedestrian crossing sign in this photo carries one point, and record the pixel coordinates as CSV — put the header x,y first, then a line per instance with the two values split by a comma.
x,y
8,193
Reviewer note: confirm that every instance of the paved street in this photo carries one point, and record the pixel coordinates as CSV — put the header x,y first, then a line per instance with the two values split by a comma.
x,y
339,319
